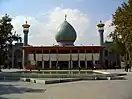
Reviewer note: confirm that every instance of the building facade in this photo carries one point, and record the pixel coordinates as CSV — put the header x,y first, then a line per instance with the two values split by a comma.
x,y
111,59
69,57
14,56
65,55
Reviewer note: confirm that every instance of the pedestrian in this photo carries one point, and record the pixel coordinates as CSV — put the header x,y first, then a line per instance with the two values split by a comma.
x,y
130,67
127,67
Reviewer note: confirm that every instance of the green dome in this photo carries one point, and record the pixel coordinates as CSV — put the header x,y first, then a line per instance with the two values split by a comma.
x,y
66,33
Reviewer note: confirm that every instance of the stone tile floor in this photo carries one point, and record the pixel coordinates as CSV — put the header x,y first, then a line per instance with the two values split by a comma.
x,y
104,89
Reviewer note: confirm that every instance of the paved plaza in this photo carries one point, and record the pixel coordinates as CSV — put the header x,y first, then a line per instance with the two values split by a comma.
x,y
100,89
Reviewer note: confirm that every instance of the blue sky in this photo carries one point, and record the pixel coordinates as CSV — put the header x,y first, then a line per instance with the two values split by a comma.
x,y
94,9
98,9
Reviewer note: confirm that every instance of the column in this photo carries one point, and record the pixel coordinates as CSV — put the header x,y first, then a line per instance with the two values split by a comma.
x,y
50,64
69,67
57,59
25,52
86,59
23,59
102,56
42,60
78,59
101,44
12,57
92,59
35,63
69,64
71,59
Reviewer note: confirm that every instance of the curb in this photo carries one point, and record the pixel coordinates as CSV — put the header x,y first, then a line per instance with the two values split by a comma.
x,y
32,80
48,81
69,80
102,72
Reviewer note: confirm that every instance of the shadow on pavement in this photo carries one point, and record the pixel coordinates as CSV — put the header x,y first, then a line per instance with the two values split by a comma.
x,y
3,98
14,89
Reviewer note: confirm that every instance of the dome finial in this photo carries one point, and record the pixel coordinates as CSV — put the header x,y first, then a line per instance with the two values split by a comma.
x,y
65,16
26,20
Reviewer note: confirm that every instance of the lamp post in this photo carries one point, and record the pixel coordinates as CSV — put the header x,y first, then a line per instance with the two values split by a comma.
x,y
25,43
101,33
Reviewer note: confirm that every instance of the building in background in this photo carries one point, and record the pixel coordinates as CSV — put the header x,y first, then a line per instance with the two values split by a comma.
x,y
111,59
14,57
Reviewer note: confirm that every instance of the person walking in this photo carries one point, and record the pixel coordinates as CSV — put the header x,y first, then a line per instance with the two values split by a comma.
x,y
127,67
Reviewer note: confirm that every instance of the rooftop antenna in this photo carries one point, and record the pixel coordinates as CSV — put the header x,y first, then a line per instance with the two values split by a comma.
x,y
65,16
26,20
100,21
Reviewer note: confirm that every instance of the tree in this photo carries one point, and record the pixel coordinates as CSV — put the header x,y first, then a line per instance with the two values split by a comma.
x,y
7,36
122,36
117,45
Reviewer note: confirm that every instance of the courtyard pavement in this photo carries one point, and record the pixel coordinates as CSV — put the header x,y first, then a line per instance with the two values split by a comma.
x,y
100,89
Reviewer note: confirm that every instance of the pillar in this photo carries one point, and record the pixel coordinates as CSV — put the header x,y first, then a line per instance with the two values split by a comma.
x,y
101,44
78,59
23,59
92,60
57,59
34,54
86,60
71,59
25,44
42,60
25,53
69,65
12,57
50,62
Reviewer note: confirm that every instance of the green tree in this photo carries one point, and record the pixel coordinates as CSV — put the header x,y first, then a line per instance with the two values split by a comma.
x,y
7,36
122,36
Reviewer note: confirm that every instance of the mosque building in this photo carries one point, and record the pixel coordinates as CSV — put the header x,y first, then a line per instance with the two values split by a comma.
x,y
66,55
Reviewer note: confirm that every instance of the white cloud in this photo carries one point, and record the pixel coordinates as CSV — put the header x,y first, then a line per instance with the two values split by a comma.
x,y
108,29
43,32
